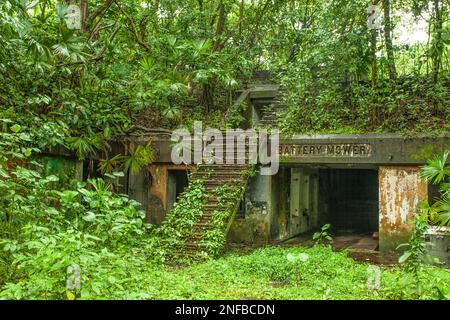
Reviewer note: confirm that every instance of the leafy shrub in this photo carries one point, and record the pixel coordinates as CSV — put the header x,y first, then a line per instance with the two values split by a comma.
x,y
179,222
323,235
437,171
45,230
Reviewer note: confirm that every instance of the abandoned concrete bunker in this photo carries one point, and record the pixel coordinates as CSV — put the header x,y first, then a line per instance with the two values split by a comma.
x,y
367,186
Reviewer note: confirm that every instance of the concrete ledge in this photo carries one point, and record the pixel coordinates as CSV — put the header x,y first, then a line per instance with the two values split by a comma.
x,y
380,149
327,149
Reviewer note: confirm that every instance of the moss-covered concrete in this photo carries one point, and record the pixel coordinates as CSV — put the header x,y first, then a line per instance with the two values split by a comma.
x,y
254,228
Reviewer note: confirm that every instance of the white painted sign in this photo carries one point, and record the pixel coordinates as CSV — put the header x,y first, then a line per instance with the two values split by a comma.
x,y
73,17
374,17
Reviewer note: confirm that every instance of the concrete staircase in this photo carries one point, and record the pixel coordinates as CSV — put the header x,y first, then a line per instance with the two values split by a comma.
x,y
216,177
224,188
271,112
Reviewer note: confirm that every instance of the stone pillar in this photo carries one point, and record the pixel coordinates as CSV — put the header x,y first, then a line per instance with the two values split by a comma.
x,y
401,193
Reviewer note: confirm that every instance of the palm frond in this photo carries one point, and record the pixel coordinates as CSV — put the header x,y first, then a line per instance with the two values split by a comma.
x,y
436,170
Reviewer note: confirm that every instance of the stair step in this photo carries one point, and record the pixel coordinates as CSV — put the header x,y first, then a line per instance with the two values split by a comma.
x,y
195,245
206,217
212,183
215,176
212,212
214,206
220,173
222,167
223,173
230,171
203,225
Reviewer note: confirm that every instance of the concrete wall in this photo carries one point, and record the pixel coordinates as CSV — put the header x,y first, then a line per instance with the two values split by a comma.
x,y
401,192
278,207
254,228
293,201
151,188
359,149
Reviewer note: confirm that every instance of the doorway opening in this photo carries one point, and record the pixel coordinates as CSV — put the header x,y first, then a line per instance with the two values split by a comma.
x,y
177,183
347,199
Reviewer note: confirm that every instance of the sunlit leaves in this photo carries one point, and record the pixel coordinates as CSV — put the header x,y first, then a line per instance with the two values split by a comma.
x,y
436,169
143,155
200,47
16,128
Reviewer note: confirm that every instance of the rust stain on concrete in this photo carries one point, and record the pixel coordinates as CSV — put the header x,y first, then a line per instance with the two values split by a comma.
x,y
157,190
401,192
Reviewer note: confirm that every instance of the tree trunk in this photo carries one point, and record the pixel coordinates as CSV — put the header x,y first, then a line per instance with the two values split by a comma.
x,y
388,40
373,54
241,17
437,52
373,49
84,15
208,96
220,26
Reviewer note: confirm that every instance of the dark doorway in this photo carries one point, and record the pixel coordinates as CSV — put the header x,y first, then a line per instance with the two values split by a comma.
x,y
349,199
177,183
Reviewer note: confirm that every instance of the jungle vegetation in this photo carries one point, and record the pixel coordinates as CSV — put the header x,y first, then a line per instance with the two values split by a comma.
x,y
166,63
135,65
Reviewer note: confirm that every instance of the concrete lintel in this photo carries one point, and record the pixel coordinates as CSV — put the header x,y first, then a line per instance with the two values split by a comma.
x,y
261,91
366,149
380,149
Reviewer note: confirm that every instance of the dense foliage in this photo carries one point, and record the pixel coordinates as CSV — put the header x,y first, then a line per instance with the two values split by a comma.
x,y
167,63
437,171
48,225
138,65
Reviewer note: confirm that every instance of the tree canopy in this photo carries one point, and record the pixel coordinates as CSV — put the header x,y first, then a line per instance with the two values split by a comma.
x,y
165,63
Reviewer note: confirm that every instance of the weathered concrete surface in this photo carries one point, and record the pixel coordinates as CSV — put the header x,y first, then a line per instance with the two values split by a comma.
x,y
380,149
254,229
150,188
438,244
303,200
358,149
401,192
261,91
327,149
281,209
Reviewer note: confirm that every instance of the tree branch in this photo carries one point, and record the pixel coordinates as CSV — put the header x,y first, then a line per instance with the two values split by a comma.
x,y
134,30
99,56
100,11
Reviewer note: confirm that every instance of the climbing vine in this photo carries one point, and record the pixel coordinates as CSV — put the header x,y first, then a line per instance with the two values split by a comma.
x,y
229,197
179,222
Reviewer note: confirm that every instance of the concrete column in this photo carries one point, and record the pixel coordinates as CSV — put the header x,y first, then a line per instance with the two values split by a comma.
x,y
401,192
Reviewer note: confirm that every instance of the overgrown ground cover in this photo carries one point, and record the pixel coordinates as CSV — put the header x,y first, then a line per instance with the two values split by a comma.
x,y
269,273
295,273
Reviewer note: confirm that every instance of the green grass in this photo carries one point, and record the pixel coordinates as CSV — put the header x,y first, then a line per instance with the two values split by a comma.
x,y
278,273
268,273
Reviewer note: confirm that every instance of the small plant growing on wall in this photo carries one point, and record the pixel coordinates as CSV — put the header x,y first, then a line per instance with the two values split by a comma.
x,y
416,254
412,258
323,236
